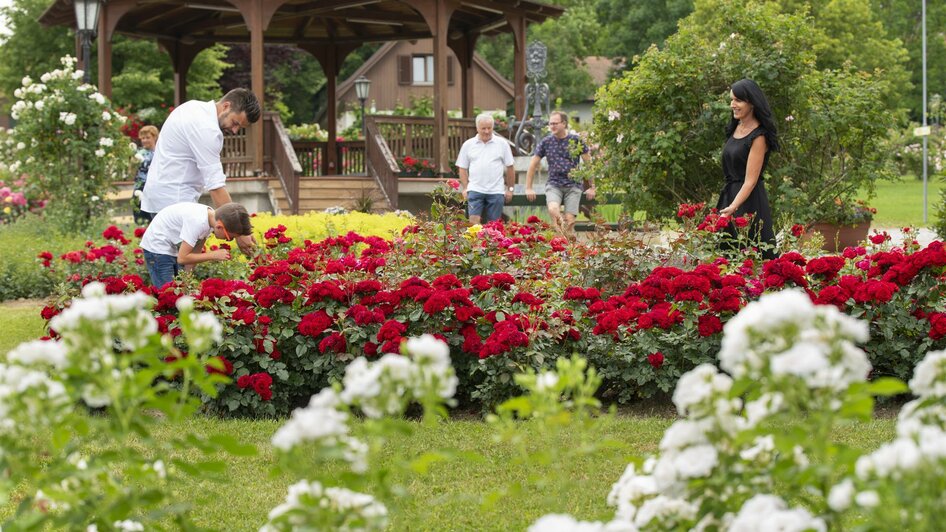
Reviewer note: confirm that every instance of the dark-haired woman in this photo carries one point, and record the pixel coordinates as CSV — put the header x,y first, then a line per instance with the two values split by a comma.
x,y
751,137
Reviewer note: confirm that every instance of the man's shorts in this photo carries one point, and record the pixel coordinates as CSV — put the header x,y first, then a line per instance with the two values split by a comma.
x,y
488,206
568,198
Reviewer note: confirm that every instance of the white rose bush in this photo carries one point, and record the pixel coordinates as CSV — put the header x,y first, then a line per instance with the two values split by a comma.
x,y
68,141
755,451
77,413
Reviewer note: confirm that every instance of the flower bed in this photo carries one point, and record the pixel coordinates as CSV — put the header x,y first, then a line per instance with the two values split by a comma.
x,y
511,297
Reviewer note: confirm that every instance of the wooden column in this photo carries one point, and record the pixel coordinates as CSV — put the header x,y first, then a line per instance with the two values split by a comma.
x,y
182,57
105,65
463,48
518,25
109,15
437,15
331,57
257,14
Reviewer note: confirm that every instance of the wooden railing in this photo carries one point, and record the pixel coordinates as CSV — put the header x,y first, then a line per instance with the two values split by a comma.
x,y
282,158
382,163
313,156
413,136
235,156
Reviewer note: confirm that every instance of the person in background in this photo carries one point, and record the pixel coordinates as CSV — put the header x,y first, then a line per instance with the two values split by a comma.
x,y
148,136
751,138
187,156
487,175
175,237
563,151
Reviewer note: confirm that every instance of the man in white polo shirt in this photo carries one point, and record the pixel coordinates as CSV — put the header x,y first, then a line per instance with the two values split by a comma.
x,y
487,176
187,157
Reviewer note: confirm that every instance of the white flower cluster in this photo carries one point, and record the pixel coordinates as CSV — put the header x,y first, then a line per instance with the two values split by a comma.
x,y
27,395
567,523
920,444
309,502
784,334
781,337
383,387
770,513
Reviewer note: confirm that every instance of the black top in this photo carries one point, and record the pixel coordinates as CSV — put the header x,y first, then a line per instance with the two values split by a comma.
x,y
736,156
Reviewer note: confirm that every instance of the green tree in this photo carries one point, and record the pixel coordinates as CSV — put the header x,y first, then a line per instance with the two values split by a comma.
x,y
573,36
849,32
30,49
661,125
902,19
631,26
142,75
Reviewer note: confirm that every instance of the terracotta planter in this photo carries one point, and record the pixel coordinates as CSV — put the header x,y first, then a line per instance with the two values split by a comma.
x,y
837,237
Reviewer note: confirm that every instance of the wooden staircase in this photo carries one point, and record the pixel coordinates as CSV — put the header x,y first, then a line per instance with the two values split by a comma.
x,y
319,193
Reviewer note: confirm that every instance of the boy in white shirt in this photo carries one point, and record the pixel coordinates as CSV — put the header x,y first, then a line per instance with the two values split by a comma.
x,y
175,237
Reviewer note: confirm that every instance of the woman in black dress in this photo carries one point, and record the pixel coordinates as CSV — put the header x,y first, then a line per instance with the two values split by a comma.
x,y
751,137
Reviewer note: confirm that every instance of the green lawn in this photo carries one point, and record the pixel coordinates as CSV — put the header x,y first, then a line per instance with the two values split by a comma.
x,y
463,494
901,204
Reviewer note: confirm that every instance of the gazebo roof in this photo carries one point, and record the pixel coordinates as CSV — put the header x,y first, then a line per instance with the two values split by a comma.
x,y
305,22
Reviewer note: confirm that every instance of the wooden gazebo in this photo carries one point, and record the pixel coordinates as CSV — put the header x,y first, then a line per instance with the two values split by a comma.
x,y
328,29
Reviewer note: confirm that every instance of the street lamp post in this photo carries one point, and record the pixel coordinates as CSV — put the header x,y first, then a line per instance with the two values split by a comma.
x,y
87,19
362,87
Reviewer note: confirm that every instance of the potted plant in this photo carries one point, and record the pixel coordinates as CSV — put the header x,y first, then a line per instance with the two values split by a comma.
x,y
843,223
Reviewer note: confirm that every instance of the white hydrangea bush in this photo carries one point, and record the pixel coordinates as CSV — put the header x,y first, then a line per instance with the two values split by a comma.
x,y
379,390
754,450
81,469
68,141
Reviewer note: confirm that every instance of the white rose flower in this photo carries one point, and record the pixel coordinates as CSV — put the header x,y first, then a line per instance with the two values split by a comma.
x,y
867,499
27,81
100,152
839,499
106,116
106,141
40,104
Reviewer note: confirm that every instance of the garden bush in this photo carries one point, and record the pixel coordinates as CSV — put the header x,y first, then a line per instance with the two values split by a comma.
x,y
661,126
512,297
21,242
70,145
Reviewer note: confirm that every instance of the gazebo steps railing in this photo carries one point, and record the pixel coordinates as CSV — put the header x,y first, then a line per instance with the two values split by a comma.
x,y
354,193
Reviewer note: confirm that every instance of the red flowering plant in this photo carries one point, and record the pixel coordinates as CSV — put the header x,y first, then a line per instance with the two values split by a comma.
x,y
117,257
411,166
507,297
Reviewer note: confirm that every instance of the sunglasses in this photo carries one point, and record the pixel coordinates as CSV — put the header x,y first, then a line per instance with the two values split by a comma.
x,y
224,229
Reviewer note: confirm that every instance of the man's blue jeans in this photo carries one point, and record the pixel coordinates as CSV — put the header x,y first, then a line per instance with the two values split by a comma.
x,y
161,268
488,206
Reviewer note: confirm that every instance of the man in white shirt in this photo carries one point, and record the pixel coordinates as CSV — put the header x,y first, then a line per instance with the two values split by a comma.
x,y
487,175
187,157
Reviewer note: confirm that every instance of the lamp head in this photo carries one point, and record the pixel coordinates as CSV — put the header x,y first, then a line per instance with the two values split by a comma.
x,y
87,15
362,87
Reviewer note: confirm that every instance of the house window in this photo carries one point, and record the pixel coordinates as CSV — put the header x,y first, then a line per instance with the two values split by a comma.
x,y
422,69
419,69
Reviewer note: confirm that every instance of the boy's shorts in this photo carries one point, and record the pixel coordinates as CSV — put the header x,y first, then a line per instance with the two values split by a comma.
x,y
569,198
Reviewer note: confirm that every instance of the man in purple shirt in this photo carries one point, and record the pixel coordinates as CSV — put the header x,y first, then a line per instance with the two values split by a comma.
x,y
563,151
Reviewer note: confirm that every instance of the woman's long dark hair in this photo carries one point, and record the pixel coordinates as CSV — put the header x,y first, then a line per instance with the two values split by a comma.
x,y
748,91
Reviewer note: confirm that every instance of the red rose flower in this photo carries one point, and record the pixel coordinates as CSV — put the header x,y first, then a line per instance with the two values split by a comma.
x,y
656,359
314,324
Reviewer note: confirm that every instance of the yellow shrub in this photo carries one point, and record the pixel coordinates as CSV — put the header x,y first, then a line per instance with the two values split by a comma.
x,y
317,226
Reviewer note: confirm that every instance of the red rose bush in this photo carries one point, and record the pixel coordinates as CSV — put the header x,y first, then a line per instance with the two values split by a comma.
x,y
506,297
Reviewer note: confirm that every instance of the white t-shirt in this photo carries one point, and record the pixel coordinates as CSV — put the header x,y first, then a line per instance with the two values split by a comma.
x,y
486,162
184,222
187,157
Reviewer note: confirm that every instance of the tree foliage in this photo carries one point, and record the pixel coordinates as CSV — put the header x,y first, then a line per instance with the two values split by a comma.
x,y
902,18
142,75
570,38
631,26
661,126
